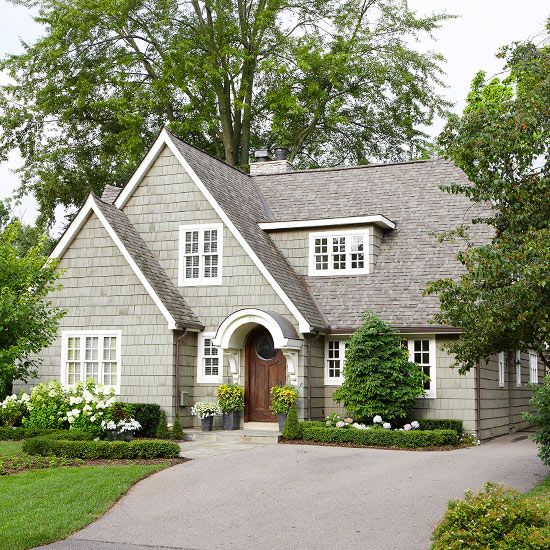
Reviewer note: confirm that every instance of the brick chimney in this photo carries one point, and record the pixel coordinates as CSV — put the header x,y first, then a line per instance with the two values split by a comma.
x,y
263,164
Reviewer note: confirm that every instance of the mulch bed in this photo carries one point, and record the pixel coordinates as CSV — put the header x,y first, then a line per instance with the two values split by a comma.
x,y
354,446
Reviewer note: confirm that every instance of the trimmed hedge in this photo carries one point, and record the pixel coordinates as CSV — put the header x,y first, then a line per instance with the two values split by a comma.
x,y
437,424
148,415
412,439
47,446
17,434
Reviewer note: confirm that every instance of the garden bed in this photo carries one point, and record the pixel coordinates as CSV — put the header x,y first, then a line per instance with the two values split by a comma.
x,y
384,448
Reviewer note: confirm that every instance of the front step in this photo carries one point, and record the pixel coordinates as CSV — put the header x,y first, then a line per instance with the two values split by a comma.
x,y
234,436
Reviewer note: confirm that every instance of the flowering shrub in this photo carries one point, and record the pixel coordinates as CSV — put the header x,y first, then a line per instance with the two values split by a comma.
x,y
541,418
493,518
230,398
47,406
13,410
204,409
283,398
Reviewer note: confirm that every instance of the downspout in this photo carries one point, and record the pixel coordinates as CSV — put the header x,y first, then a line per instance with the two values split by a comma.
x,y
478,399
179,339
309,384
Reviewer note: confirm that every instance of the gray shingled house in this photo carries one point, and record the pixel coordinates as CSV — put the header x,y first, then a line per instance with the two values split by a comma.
x,y
196,273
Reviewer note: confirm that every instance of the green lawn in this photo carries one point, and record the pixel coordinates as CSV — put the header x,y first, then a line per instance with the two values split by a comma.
x,y
9,448
42,506
540,490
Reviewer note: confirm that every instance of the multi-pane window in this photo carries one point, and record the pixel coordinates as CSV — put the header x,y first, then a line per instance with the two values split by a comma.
x,y
422,352
210,361
335,359
518,369
501,368
533,368
338,253
200,255
93,355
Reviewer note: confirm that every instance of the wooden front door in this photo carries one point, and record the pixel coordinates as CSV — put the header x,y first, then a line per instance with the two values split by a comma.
x,y
265,367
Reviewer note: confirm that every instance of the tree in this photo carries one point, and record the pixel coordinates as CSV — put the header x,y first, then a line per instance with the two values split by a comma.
x,y
502,140
378,377
334,82
28,321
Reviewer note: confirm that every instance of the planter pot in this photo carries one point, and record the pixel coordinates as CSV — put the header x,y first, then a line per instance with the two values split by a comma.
x,y
232,420
282,421
115,435
126,436
206,423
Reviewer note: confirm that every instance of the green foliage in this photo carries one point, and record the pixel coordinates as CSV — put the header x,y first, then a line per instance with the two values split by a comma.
x,y
378,377
20,462
495,518
162,429
28,321
440,424
12,411
350,90
379,437
293,428
501,141
283,398
177,430
148,415
144,448
17,434
230,398
541,417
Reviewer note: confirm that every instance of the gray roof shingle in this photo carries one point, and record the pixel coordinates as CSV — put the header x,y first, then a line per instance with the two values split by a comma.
x,y
168,294
110,194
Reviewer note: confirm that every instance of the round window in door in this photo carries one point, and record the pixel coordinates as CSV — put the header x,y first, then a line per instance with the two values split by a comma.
x,y
265,348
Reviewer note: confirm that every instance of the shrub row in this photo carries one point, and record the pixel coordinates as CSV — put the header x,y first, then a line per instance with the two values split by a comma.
x,y
17,434
437,424
48,446
379,437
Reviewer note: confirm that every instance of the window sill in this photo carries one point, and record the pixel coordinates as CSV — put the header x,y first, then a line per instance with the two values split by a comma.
x,y
199,282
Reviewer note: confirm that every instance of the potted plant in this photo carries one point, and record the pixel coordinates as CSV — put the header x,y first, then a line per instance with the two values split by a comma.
x,y
282,400
206,412
123,430
231,403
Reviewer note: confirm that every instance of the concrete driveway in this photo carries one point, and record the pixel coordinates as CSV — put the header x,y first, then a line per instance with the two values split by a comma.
x,y
305,497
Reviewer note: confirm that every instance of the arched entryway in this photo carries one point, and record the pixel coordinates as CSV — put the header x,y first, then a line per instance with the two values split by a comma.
x,y
268,344
265,367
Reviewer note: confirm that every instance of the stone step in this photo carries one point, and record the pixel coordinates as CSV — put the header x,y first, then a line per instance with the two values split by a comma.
x,y
234,436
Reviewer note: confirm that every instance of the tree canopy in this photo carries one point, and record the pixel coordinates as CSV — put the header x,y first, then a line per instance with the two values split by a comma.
x,y
334,82
502,142
28,321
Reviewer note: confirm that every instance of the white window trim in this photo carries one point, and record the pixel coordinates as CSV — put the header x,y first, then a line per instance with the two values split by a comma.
x,y
82,334
331,272
501,369
335,381
518,369
201,281
533,359
432,392
201,377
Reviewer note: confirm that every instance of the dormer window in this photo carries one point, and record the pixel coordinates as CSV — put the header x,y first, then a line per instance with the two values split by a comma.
x,y
339,252
201,250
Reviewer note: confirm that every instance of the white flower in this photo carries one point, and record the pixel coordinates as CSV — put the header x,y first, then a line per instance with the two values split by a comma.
x,y
92,418
360,426
70,419
76,412
100,405
340,424
25,397
415,425
169,425
407,427
386,425
87,408
51,393
377,419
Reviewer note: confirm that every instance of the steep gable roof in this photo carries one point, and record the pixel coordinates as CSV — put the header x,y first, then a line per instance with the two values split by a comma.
x,y
142,261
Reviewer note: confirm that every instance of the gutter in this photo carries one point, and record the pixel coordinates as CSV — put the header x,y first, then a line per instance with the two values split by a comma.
x,y
309,381
179,339
478,399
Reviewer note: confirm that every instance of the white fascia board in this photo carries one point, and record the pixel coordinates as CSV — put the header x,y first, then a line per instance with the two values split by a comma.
x,y
378,219
164,139
89,207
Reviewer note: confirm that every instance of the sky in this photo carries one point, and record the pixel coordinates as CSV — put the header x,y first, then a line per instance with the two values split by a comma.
x,y
469,43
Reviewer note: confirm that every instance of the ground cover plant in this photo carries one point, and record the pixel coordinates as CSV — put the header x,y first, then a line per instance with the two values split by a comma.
x,y
541,418
41,506
496,518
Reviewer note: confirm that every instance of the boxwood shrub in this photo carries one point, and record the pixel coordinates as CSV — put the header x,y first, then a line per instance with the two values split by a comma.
x,y
437,424
48,446
17,434
379,437
148,415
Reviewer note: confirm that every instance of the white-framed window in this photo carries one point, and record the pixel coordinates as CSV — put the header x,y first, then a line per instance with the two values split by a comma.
x,y
91,354
422,352
518,369
339,252
209,360
200,255
533,368
501,368
335,359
